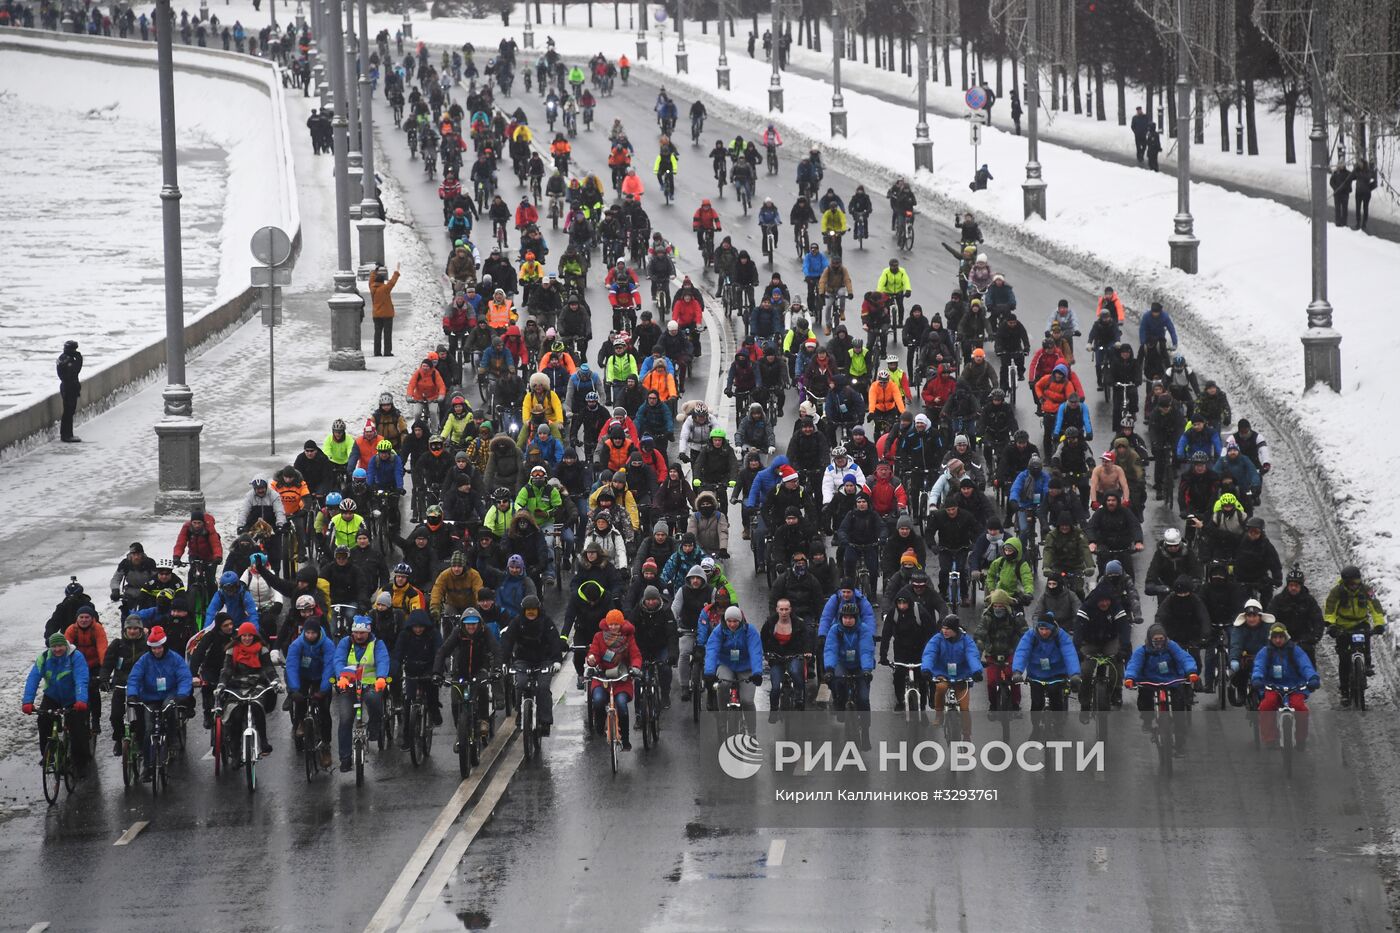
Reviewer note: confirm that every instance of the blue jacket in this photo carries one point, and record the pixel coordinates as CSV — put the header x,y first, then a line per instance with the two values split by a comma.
x,y
65,679
1242,469
241,609
1190,442
381,657
649,364
764,322
1156,327
384,475
155,681
1046,658
1289,667
764,482
1027,487
510,592
551,451
740,650
958,659
654,419
1060,425
489,355
833,606
1171,663
311,667
769,217
813,265
847,647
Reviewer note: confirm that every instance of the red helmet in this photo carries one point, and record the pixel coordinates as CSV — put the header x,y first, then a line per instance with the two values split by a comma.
x,y
458,212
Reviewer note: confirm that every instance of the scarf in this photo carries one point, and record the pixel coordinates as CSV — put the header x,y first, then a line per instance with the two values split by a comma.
x,y
247,655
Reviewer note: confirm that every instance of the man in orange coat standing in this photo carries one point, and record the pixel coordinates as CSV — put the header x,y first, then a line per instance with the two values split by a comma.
x,y
380,286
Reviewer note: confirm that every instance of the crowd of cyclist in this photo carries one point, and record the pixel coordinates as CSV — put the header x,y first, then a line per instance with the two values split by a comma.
x,y
907,490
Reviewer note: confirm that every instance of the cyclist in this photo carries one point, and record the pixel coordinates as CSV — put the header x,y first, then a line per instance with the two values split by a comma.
x,y
769,219
705,223
1283,664
1046,653
833,227
1297,608
413,654
1163,660
786,640
247,669
613,653
1351,606
158,675
360,657
666,164
952,655
734,654
310,676
849,650
65,675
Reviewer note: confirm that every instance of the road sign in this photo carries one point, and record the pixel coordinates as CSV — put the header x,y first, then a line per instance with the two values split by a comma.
x,y
271,246
263,276
659,15
975,98
271,314
976,134
977,117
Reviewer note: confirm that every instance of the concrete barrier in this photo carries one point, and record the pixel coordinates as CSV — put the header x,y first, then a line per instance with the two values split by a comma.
x,y
37,422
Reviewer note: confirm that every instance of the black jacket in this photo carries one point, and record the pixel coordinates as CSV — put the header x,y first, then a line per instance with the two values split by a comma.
x,y
532,642
1186,620
910,631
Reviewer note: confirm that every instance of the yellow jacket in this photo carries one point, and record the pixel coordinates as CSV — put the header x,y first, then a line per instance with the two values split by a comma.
x,y
834,221
626,500
553,408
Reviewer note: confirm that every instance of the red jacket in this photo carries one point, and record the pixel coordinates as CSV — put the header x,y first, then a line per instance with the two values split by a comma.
x,y
705,219
1053,394
92,642
206,547
525,215
628,653
687,311
1043,363
886,497
938,389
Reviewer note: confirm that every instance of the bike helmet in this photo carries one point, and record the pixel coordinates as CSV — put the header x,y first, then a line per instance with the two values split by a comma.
x,y
338,426
458,399
1351,573
333,500
1200,457
347,505
384,445
361,624
1072,434
306,602
1295,575
360,474
884,375
837,452
717,432
591,397
386,399
500,493
259,483
403,569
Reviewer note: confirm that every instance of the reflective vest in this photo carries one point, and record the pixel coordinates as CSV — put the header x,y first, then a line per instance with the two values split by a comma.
x,y
364,662
499,315
344,531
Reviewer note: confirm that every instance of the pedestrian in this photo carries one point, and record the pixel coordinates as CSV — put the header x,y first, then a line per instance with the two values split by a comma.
x,y
753,39
1341,182
313,126
70,365
383,312
1141,124
784,49
767,45
1154,147
991,99
979,180
1365,184
1016,110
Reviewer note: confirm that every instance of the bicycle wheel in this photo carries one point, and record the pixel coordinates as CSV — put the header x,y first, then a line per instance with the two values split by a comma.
x,y
415,726
465,732
131,762
952,721
1102,702
52,773
359,764
1286,740
250,762
1165,742
644,716
529,738
614,741
309,755
1358,683
216,738
1222,677
695,701
425,735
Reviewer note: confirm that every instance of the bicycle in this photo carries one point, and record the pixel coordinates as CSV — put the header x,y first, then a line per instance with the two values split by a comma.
x,y
860,228
131,753
952,704
697,126
661,295
770,241
418,726
720,177
745,194
697,679
57,765
311,726
733,722
787,689
556,209
1003,698
800,240
772,158
915,690
1360,667
1104,677
649,704
251,743
1218,671
857,726
535,189
707,247
1124,402
430,163
466,705
526,722
668,186
1163,724
904,231
1287,725
955,587
157,744
612,729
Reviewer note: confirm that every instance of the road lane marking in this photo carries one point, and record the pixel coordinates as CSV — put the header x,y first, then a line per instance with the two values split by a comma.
x,y
387,916
452,856
776,850
131,833
39,927
208,756
1101,858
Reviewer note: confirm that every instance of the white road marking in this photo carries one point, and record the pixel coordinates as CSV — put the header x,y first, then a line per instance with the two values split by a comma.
x,y
1101,858
457,848
208,756
39,927
776,849
131,833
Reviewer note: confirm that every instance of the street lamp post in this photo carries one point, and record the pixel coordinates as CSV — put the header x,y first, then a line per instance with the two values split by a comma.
x,y
838,103
529,29
775,84
313,49
682,57
1033,188
356,163
371,227
641,29
347,307
178,431
722,69
1183,243
1322,354
923,145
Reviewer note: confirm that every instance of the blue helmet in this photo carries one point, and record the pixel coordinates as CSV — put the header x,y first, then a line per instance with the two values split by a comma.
x,y
333,500
359,474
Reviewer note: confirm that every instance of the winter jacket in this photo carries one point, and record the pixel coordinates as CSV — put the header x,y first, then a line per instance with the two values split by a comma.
x,y
311,667
65,679
1301,614
850,650
1288,666
1046,658
952,659
1170,663
1186,620
910,631
154,680
1012,576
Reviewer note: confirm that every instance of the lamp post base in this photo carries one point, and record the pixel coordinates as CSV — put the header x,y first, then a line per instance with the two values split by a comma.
x,y
641,46
529,33
682,63
722,76
407,26
775,98
1033,197
923,154
838,122
1322,358
1184,249
347,313
178,454
371,233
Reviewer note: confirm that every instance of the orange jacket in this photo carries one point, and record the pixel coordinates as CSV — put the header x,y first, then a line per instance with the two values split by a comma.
x,y
660,381
560,147
617,457
1053,394
619,156
885,396
569,365
92,643
632,185
1113,302
379,295
500,315
424,387
291,496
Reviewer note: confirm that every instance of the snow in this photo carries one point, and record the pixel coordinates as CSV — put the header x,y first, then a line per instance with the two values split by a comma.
x,y
85,146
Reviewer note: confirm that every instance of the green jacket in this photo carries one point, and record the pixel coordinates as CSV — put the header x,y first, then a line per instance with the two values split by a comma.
x,y
620,367
1012,576
338,451
1351,609
540,501
1000,635
1067,553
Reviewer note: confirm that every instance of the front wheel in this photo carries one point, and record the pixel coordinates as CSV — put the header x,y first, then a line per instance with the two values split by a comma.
x,y
415,725
131,762
466,732
53,774
250,762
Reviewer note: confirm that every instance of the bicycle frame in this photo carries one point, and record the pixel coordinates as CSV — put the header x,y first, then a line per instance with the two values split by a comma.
x,y
915,689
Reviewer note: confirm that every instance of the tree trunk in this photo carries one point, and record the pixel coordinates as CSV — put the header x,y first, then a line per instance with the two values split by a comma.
x,y
947,64
1290,116
981,69
1122,98
617,15
1054,88
817,34
864,47
1225,122
1098,92
962,46
1251,131
1199,135
1078,105
590,14
1016,78
1171,111
1000,60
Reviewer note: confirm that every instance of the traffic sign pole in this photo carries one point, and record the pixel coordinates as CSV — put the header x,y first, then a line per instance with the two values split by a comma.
x,y
272,248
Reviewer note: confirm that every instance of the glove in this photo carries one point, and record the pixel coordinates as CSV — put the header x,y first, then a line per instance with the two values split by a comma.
x,y
116,595
439,680
1378,630
28,709
869,676
379,685
723,554
770,453
1193,677
756,679
1234,667
344,682
1128,684
711,680
1314,684
978,676
1018,677
1075,681
80,707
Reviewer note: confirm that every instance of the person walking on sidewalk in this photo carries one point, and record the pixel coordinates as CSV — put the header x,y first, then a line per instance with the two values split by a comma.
x,y
1016,111
1141,124
1154,146
70,365
1365,183
1341,182
380,286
